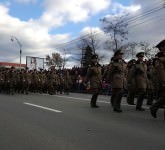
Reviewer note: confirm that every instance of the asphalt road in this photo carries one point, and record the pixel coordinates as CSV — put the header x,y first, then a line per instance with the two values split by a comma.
x,y
60,122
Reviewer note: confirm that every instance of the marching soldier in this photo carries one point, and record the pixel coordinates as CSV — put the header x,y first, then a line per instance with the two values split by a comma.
x,y
151,82
131,85
12,80
2,81
94,75
50,82
35,81
67,82
60,83
43,81
159,64
139,73
20,81
6,81
27,80
117,78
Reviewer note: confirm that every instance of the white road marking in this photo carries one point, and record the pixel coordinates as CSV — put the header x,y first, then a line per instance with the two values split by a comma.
x,y
68,97
42,107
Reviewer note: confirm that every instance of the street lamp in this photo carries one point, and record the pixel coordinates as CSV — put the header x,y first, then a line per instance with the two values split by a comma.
x,y
20,47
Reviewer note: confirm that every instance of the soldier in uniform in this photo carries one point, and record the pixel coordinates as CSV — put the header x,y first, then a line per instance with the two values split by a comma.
x,y
35,81
50,82
159,64
60,84
2,80
6,81
67,82
117,78
151,81
94,75
12,75
139,73
27,80
45,81
19,84
131,86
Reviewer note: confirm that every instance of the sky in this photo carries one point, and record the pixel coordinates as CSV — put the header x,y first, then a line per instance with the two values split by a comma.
x,y
40,26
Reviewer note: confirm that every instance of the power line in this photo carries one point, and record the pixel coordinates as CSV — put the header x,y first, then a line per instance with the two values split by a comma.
x,y
147,20
148,12
77,39
129,20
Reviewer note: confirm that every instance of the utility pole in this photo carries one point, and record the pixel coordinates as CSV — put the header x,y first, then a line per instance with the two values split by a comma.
x,y
13,38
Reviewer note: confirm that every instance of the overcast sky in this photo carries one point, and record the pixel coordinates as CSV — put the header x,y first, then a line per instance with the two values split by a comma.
x,y
41,25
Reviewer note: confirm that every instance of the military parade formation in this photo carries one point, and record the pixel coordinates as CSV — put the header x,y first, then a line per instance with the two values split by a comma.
x,y
137,78
15,81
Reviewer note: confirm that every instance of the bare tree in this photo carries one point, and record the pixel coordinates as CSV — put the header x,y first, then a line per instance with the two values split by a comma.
x,y
48,61
54,61
117,29
90,40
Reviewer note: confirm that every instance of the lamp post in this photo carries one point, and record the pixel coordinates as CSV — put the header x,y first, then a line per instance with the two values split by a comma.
x,y
20,47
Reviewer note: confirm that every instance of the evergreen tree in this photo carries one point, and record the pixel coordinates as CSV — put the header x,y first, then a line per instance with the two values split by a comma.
x,y
86,60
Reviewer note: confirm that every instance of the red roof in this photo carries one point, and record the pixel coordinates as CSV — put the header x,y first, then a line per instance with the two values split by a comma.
x,y
4,64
